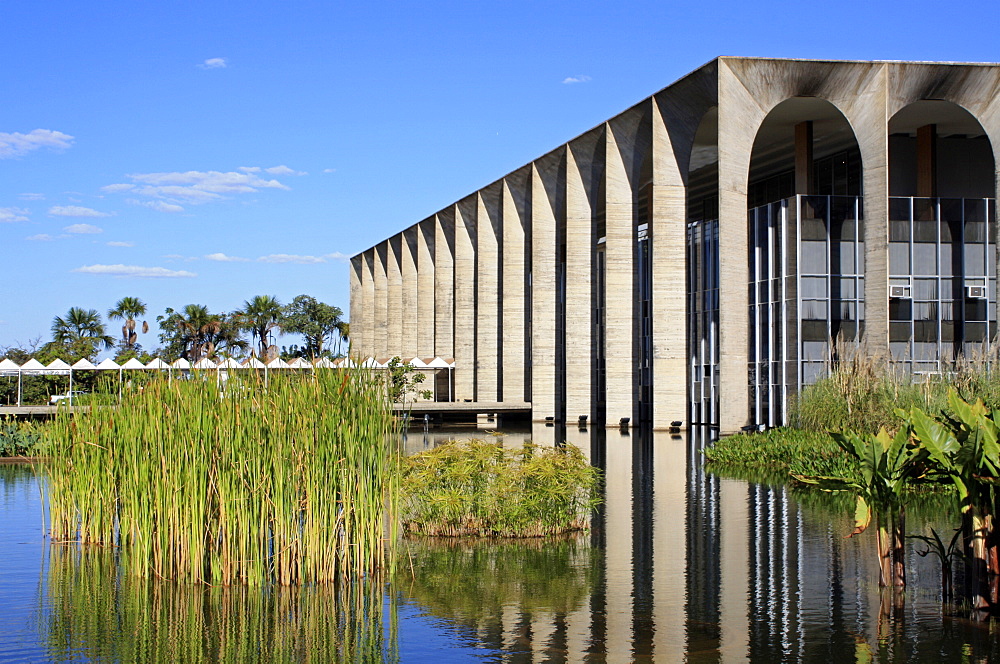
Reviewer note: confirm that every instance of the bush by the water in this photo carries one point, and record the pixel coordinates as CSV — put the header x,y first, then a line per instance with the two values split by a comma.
x,y
479,488
784,451
19,439
860,393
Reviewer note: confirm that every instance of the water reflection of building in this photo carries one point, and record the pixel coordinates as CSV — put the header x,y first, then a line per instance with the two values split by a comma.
x,y
707,245
687,566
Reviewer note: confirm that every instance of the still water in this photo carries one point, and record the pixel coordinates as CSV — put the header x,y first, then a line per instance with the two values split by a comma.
x,y
681,565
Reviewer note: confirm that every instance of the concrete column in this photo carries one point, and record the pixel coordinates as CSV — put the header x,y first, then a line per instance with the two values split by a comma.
x,y
514,332
366,346
488,269
357,299
394,276
465,299
869,118
543,289
668,228
737,128
581,195
408,271
425,289
444,284
381,346
620,295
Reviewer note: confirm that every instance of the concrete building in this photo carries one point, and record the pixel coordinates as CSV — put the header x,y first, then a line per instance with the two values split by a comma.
x,y
698,257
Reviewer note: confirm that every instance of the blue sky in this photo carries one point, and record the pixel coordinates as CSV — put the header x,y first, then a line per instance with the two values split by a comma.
x,y
207,152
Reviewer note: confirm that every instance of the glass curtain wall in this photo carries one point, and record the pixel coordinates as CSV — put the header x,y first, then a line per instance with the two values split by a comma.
x,y
806,295
942,281
703,320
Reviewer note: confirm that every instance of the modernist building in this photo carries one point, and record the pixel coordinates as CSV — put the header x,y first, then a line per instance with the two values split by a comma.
x,y
699,257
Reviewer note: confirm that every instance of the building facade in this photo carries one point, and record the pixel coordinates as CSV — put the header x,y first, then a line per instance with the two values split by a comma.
x,y
700,257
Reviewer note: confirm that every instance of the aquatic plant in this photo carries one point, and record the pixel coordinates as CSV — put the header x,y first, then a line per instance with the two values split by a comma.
x,y
293,484
782,451
19,438
478,487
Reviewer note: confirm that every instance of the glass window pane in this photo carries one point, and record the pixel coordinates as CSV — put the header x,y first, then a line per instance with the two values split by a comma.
x,y
901,309
813,257
899,332
925,289
899,258
924,258
899,209
813,287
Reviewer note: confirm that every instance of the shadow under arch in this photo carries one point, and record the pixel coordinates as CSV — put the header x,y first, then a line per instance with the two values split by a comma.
x,y
806,251
942,237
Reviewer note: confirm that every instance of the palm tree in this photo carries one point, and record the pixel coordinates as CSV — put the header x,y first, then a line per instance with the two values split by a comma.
x,y
80,324
203,334
259,316
128,309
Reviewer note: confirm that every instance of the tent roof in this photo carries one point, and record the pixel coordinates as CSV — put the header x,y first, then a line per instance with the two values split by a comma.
x,y
133,363
84,364
108,364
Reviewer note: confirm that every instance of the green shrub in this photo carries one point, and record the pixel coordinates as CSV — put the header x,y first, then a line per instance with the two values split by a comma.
x,y
19,439
782,451
479,488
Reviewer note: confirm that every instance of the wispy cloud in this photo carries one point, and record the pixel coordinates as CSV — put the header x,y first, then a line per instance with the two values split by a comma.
x,y
159,206
338,257
291,258
12,214
42,237
191,187
31,197
118,243
75,211
283,170
82,229
134,271
569,80
17,144
223,258
213,63
329,170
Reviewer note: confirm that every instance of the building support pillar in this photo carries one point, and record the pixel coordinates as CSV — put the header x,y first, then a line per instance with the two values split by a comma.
x,y
488,284
410,299
394,318
543,190
381,346
514,356
357,299
444,284
465,299
426,299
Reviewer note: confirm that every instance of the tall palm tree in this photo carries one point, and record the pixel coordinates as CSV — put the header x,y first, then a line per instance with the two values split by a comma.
x,y
204,334
259,316
80,324
128,309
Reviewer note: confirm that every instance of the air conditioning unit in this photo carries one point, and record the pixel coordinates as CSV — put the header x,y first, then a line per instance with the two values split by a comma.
x,y
975,292
899,292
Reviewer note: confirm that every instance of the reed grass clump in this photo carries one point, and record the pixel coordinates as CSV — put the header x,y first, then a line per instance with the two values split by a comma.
x,y
292,484
782,451
479,488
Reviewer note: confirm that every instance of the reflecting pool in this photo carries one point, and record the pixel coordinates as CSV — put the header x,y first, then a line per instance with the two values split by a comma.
x,y
681,565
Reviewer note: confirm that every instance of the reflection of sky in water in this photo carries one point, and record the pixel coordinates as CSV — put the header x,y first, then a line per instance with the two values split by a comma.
x,y
687,566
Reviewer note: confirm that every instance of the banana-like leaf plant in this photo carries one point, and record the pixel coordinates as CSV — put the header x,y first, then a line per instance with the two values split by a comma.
x,y
887,464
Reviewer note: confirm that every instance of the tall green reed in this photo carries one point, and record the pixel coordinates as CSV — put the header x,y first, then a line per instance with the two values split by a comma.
x,y
288,484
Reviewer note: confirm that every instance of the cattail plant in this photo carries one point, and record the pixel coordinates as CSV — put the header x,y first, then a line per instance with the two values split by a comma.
x,y
291,484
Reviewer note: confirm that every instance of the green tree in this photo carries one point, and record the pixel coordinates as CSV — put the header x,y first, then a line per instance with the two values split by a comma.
x,y
195,333
315,321
81,324
259,316
128,309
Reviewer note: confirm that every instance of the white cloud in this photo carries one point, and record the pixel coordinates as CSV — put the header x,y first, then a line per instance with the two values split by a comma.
x,y
134,271
249,169
83,229
329,170
283,170
31,197
339,257
569,80
12,214
121,244
291,258
17,144
41,237
173,256
195,187
117,188
213,63
75,211
159,206
223,258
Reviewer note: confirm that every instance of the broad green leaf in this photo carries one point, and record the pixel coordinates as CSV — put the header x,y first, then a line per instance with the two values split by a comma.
x,y
862,517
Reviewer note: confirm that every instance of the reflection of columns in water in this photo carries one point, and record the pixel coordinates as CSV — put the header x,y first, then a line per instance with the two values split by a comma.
x,y
734,532
618,527
702,535
669,558
775,555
